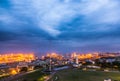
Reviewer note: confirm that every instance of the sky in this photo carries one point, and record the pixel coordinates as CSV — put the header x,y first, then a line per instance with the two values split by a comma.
x,y
62,26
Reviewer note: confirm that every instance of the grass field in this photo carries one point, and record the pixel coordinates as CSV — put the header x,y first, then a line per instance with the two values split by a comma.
x,y
3,76
34,76
78,75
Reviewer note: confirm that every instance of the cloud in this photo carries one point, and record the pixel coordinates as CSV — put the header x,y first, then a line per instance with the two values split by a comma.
x,y
49,15
6,19
68,23
106,12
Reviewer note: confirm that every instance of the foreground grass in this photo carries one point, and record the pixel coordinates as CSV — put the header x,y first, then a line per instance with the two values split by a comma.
x,y
78,75
37,75
3,76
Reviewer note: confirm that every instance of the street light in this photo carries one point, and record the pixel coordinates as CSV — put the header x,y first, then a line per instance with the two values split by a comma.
x,y
50,64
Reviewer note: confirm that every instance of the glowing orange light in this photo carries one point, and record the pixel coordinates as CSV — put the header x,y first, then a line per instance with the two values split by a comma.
x,y
84,56
55,55
9,58
13,72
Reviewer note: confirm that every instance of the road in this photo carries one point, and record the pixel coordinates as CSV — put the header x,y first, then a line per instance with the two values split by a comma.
x,y
55,70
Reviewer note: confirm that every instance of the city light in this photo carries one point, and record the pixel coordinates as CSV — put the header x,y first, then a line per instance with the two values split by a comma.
x,y
16,57
13,72
55,55
84,56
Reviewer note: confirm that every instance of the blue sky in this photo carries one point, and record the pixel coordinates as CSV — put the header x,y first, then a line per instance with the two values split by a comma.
x,y
42,26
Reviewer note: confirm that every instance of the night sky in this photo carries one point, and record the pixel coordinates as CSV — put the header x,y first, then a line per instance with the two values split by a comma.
x,y
61,26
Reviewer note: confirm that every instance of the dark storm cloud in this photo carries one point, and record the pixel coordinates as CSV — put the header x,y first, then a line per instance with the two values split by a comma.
x,y
25,33
90,35
5,36
5,3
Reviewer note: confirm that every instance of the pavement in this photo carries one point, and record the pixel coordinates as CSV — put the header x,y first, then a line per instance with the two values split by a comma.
x,y
55,70
50,76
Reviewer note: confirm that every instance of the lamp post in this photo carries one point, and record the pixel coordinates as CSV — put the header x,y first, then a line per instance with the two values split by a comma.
x,y
50,57
50,64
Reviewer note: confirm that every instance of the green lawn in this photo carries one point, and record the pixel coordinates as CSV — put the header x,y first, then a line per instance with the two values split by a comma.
x,y
37,75
3,76
78,75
